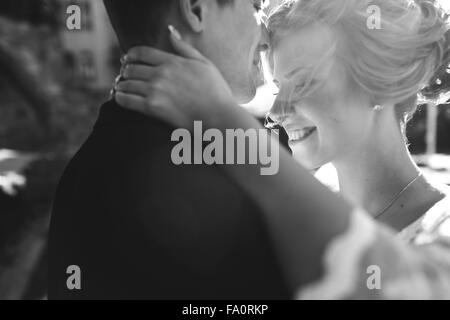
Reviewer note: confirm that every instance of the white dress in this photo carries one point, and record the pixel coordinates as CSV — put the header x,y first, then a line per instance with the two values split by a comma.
x,y
370,261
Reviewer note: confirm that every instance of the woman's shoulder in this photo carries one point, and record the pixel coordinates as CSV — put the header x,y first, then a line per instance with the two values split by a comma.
x,y
434,224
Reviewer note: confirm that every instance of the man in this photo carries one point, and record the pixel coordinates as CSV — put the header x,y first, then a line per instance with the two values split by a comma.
x,y
127,222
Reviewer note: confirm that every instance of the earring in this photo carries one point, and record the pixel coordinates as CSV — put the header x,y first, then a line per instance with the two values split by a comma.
x,y
378,107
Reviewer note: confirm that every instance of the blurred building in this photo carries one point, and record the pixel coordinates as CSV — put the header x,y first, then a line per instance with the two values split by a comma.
x,y
89,52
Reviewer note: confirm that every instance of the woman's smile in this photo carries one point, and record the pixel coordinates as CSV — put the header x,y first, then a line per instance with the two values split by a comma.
x,y
300,135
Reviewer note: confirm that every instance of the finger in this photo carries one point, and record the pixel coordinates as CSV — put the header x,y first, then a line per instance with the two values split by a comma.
x,y
130,101
183,48
138,72
136,87
148,55
123,59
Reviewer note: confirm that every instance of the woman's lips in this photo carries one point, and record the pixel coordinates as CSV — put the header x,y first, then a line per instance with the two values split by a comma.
x,y
301,134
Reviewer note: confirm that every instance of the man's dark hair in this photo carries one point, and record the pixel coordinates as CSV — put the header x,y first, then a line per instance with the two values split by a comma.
x,y
140,22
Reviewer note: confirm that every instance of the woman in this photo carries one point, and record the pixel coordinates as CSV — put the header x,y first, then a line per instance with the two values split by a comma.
x,y
343,107
346,92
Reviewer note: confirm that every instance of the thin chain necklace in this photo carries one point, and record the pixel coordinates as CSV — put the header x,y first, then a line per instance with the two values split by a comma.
x,y
397,196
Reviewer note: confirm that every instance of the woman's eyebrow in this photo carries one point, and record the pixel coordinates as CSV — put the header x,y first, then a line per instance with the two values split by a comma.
x,y
294,72
291,74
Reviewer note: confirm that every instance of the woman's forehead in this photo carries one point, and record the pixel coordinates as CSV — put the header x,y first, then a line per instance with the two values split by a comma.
x,y
300,49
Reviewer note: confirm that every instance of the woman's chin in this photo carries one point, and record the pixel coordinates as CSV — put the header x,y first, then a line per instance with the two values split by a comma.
x,y
306,153
310,162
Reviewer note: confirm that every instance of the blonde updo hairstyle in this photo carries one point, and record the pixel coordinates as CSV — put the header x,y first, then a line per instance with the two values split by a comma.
x,y
392,63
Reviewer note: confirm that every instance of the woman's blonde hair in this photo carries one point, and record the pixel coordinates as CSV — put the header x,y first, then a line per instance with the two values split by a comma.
x,y
391,63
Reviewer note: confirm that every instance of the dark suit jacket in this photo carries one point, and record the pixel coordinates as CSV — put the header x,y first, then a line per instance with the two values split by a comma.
x,y
140,227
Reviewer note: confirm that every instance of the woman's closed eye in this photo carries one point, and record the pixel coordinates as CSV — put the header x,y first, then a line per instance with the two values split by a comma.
x,y
302,85
299,89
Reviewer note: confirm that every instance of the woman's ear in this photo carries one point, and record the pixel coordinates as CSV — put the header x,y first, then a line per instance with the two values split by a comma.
x,y
193,13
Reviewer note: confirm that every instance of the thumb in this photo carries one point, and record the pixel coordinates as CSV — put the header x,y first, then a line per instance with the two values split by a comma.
x,y
183,48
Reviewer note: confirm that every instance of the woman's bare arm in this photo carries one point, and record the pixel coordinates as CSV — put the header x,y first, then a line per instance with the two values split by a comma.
x,y
303,215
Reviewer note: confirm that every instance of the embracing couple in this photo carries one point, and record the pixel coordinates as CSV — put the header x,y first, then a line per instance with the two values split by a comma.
x,y
135,225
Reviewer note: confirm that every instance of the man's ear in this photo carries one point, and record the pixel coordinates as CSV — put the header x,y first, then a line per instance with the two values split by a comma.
x,y
193,13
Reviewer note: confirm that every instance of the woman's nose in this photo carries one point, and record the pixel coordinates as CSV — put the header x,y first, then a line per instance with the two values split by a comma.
x,y
280,110
264,43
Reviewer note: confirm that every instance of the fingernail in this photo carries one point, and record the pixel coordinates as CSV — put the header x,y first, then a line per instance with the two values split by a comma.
x,y
112,93
124,59
174,32
123,68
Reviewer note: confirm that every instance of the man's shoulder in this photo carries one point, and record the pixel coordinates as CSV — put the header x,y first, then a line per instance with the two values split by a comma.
x,y
124,123
137,148
122,135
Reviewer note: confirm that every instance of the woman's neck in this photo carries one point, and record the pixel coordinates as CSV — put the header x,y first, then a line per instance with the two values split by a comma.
x,y
372,176
370,179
